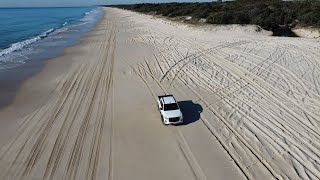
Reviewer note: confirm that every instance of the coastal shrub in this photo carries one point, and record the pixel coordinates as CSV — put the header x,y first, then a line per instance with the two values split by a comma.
x,y
199,13
253,13
241,17
308,18
220,18
264,13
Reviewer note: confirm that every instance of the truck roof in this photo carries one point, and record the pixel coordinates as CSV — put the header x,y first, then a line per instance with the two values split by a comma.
x,y
169,100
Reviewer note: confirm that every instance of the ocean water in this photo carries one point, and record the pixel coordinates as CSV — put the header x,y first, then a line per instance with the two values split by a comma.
x,y
33,34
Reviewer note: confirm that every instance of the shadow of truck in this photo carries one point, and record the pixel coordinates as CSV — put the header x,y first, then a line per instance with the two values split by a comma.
x,y
190,111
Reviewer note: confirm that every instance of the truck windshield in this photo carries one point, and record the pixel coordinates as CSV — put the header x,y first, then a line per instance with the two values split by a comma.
x,y
170,107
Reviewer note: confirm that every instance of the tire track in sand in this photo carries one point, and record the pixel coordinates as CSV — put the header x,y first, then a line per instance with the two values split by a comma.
x,y
183,145
62,140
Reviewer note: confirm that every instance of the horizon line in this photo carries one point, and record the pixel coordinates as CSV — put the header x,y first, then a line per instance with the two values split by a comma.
x,y
22,7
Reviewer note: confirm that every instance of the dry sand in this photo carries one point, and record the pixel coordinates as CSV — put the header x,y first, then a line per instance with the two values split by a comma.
x,y
307,32
251,103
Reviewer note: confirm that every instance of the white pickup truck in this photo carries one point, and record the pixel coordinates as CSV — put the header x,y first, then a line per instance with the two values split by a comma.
x,y
169,110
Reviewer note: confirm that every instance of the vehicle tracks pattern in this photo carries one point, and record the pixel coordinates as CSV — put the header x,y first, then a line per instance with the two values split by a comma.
x,y
81,107
260,97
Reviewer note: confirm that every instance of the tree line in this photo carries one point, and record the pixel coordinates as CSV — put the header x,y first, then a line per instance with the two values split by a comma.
x,y
268,14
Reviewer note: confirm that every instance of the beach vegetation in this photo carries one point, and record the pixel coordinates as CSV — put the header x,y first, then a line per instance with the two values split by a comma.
x,y
265,13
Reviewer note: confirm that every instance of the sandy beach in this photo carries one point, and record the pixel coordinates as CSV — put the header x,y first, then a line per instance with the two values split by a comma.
x,y
251,105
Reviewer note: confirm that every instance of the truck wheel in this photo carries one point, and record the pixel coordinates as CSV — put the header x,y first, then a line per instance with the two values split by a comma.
x,y
162,120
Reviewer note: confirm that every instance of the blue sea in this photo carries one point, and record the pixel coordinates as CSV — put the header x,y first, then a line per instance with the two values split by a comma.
x,y
34,34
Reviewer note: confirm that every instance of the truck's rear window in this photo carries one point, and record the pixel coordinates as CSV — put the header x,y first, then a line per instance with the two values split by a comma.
x,y
170,107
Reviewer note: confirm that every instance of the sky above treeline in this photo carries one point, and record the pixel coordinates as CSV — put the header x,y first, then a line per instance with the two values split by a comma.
x,y
68,3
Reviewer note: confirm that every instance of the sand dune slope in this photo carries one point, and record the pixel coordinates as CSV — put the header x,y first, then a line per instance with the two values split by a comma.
x,y
251,105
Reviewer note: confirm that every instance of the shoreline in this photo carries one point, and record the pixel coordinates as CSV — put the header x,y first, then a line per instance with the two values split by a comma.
x,y
45,46
101,95
18,98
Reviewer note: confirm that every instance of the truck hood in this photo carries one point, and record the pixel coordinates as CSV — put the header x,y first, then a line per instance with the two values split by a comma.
x,y
172,114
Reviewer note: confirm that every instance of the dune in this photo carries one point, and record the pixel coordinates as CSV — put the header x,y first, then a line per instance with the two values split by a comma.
x,y
251,105
307,32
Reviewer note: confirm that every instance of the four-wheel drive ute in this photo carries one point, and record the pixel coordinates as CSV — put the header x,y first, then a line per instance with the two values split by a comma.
x,y
169,110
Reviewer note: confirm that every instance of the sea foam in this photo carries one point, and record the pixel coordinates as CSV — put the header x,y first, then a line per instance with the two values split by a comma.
x,y
18,53
19,45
